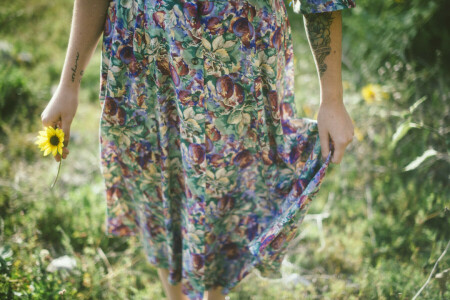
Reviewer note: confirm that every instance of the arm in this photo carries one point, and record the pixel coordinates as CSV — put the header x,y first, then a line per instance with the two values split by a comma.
x,y
324,31
87,27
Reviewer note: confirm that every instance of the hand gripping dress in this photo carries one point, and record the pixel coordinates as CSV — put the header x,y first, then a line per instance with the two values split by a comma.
x,y
202,152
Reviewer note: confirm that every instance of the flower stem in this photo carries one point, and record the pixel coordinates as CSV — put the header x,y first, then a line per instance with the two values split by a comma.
x,y
57,174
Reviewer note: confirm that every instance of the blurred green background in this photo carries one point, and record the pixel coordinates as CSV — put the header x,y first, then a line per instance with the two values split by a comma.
x,y
385,208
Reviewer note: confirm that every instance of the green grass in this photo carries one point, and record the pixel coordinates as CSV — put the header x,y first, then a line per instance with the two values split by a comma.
x,y
387,226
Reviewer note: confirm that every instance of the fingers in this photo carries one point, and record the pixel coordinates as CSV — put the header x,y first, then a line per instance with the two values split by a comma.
x,y
65,126
64,154
339,149
324,143
338,154
46,121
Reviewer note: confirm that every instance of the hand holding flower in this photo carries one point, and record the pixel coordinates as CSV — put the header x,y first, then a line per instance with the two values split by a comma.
x,y
60,112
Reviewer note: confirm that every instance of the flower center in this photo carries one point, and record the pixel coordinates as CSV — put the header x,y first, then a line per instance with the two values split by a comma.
x,y
54,140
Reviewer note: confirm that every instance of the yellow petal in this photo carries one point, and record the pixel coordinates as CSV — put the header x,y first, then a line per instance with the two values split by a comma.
x,y
60,149
60,133
54,150
61,138
47,151
50,131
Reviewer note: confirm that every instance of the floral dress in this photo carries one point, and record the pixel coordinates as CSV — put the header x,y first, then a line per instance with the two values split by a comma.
x,y
203,153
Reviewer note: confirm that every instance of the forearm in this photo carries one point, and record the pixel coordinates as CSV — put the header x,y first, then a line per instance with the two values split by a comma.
x,y
324,31
87,26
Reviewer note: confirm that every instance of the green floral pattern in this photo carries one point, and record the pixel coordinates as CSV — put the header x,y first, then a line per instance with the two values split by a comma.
x,y
318,6
202,152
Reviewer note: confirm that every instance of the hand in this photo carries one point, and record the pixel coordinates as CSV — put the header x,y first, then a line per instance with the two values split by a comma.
x,y
335,123
60,111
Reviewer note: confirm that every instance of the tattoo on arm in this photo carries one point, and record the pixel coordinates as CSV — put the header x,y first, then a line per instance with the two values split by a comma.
x,y
74,69
81,76
318,27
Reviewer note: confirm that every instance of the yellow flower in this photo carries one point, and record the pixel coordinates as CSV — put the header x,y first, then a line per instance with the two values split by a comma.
x,y
368,93
51,140
358,134
87,280
373,92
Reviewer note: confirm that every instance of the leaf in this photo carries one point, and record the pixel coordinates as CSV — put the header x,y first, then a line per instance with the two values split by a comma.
x,y
235,68
279,129
230,174
272,60
206,44
218,42
235,117
419,160
240,128
124,139
209,174
413,107
246,118
221,172
401,131
199,52
268,69
249,108
223,54
189,113
229,44
193,125
224,181
5,258
5,252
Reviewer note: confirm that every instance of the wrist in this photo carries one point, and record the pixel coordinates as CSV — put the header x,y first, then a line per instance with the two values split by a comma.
x,y
69,87
332,94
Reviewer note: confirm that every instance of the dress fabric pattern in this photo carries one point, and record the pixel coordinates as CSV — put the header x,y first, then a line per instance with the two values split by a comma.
x,y
202,152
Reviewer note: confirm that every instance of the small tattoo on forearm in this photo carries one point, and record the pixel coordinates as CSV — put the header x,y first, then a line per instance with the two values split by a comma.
x,y
318,27
74,69
81,75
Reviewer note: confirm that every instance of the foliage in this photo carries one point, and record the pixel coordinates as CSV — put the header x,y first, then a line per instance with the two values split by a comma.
x,y
388,200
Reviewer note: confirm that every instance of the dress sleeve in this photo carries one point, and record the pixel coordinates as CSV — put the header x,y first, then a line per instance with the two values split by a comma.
x,y
319,6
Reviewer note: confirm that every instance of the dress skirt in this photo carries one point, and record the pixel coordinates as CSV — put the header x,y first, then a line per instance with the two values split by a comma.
x,y
202,152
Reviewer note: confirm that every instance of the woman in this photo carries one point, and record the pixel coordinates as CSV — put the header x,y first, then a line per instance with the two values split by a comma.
x,y
201,150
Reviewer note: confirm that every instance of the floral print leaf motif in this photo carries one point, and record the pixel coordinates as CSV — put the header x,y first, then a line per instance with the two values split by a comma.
x,y
206,44
203,154
218,42
223,54
235,117
268,70
193,125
